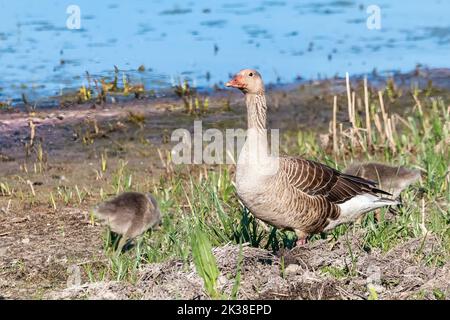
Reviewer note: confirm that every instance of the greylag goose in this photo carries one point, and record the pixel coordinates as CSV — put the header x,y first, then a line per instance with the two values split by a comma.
x,y
291,192
389,178
130,214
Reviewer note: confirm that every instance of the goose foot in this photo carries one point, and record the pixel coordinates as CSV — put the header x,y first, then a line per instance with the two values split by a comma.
x,y
301,242
302,238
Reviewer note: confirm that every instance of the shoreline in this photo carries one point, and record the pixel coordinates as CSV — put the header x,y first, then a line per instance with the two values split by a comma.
x,y
294,106
439,76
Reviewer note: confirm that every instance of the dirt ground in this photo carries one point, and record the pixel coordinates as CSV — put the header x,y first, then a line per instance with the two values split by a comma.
x,y
38,262
395,275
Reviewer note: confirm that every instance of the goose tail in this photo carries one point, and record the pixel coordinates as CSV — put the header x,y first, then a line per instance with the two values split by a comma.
x,y
364,203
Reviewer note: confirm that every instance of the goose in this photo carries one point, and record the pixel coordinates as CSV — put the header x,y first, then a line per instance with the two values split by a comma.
x,y
390,178
289,192
129,214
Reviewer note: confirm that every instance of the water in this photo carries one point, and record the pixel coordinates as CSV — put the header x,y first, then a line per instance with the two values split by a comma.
x,y
205,41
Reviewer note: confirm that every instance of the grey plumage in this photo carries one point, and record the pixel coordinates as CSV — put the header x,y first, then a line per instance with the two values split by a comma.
x,y
390,178
130,214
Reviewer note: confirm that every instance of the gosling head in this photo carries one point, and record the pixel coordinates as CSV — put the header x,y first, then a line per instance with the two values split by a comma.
x,y
155,217
408,176
248,81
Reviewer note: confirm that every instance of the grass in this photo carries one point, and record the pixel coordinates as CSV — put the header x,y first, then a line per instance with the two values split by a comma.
x,y
205,262
192,101
201,209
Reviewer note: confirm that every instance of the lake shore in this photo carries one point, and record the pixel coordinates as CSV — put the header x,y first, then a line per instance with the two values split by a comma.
x,y
305,104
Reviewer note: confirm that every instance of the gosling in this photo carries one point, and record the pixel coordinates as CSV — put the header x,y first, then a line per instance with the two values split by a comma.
x,y
389,178
130,214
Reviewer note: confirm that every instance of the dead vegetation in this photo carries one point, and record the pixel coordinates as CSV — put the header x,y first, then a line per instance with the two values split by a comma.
x,y
320,271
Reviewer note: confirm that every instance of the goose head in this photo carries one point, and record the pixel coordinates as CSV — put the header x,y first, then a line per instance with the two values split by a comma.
x,y
248,81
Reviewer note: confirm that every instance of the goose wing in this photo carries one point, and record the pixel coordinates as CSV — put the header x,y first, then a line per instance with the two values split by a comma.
x,y
316,179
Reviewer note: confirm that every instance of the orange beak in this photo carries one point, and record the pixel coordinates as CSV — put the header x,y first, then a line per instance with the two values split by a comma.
x,y
236,82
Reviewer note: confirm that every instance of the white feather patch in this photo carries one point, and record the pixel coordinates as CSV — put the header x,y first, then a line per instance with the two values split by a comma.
x,y
363,203
352,209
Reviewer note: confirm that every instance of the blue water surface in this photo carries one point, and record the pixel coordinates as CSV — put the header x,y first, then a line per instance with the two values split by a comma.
x,y
205,41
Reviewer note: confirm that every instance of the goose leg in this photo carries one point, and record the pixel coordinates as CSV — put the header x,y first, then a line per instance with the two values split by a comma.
x,y
377,215
302,238
122,242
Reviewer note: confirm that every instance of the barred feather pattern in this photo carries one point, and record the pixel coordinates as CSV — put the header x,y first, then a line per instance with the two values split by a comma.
x,y
256,111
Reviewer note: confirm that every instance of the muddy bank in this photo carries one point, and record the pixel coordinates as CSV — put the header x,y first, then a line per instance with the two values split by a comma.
x,y
72,132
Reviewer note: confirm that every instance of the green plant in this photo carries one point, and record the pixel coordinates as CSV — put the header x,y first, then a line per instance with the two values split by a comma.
x,y
205,262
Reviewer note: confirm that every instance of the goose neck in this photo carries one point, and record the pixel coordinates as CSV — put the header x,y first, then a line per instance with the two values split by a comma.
x,y
256,111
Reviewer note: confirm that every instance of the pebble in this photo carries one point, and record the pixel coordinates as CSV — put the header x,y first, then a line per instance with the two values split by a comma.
x,y
292,269
3,251
74,278
221,281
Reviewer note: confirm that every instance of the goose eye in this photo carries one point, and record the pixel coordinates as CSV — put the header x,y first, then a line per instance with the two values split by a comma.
x,y
251,74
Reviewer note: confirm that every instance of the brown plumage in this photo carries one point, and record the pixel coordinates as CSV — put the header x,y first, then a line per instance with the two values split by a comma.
x,y
292,192
317,179
130,214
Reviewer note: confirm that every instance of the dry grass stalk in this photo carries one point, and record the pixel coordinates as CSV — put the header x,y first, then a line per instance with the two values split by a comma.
x,y
361,141
349,98
366,103
166,161
376,120
418,104
383,113
354,110
391,134
204,173
335,145
422,223
30,184
32,132
394,124
406,123
350,107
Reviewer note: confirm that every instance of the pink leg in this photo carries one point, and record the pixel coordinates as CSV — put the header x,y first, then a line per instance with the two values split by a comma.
x,y
301,238
301,241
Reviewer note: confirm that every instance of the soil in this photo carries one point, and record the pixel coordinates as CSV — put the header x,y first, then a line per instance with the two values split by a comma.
x,y
395,275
